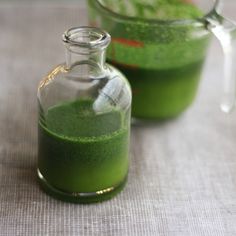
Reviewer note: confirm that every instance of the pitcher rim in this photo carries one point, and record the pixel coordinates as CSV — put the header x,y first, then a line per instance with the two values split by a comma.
x,y
134,20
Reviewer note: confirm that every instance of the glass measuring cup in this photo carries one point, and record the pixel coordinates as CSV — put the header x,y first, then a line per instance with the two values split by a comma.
x,y
163,57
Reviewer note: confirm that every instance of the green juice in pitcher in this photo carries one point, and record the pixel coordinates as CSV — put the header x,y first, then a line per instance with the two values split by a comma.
x,y
160,50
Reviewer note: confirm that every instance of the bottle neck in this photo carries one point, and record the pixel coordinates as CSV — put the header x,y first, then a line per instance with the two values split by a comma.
x,y
94,57
85,50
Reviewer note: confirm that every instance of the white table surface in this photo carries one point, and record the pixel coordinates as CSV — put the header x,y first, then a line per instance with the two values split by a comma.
x,y
182,177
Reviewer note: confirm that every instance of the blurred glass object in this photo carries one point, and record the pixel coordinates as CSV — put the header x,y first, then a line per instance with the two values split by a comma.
x,y
161,46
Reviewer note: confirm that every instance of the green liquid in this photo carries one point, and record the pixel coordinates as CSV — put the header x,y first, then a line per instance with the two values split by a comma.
x,y
162,93
80,152
162,60
164,77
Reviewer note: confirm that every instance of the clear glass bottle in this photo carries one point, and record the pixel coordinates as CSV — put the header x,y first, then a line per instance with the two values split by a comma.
x,y
84,122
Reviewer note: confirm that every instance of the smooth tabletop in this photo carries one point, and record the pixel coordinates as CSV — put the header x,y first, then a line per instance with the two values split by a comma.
x,y
182,178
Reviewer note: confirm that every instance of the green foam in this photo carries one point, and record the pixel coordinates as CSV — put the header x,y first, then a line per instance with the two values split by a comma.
x,y
155,9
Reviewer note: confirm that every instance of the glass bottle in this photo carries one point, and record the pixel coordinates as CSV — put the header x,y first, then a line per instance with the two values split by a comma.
x,y
84,122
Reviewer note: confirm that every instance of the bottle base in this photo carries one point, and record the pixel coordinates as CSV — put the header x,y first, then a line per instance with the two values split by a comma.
x,y
79,197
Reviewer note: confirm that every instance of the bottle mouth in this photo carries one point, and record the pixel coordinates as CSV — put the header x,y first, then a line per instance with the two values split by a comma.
x,y
87,37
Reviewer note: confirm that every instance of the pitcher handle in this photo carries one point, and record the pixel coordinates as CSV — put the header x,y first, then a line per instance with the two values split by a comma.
x,y
225,32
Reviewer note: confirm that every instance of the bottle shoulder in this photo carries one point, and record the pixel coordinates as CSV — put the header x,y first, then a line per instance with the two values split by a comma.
x,y
52,75
60,72
116,91
62,85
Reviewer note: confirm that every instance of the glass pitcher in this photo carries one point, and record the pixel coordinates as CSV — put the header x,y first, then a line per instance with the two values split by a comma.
x,y
162,53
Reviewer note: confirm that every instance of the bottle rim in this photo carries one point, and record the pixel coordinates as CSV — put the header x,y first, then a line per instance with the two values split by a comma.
x,y
87,37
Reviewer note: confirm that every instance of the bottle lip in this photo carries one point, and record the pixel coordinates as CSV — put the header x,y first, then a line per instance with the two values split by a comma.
x,y
87,37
